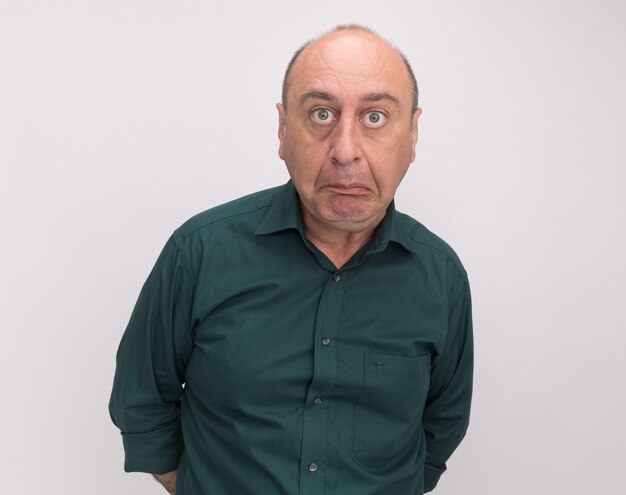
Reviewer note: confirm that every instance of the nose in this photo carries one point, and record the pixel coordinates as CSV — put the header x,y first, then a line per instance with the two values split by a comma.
x,y
345,148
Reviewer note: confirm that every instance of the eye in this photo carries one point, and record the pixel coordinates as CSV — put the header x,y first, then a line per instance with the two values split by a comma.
x,y
375,119
322,115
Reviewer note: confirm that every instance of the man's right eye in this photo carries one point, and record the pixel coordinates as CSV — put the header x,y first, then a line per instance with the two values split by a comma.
x,y
322,115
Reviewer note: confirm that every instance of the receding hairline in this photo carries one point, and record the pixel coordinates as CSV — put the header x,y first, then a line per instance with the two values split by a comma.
x,y
350,27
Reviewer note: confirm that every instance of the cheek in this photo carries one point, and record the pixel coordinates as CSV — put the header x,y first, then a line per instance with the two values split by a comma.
x,y
304,157
389,164
300,168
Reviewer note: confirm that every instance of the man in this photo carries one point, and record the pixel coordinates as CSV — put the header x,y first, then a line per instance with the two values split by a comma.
x,y
308,339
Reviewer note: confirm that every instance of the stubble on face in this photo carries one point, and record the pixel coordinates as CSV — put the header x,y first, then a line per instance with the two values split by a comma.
x,y
346,171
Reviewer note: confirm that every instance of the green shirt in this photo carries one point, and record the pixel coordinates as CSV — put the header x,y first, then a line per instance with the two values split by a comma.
x,y
255,366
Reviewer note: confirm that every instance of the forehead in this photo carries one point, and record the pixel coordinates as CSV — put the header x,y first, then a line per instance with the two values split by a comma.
x,y
350,65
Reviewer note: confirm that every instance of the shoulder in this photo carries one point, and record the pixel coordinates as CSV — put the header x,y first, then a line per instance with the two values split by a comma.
x,y
421,240
247,209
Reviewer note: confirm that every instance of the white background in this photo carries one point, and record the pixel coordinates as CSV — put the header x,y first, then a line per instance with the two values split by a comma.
x,y
121,119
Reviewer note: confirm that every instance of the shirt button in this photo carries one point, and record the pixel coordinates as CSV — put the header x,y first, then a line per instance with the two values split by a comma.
x,y
336,277
317,401
312,467
325,341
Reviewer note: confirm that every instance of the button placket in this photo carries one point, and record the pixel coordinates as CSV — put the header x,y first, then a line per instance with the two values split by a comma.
x,y
315,417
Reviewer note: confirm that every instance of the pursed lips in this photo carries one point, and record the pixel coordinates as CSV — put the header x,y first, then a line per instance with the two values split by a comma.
x,y
354,189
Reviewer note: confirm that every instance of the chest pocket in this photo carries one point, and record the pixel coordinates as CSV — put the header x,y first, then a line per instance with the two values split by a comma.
x,y
388,413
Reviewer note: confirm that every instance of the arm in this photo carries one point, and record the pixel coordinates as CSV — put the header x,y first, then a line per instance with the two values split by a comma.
x,y
446,415
168,480
151,362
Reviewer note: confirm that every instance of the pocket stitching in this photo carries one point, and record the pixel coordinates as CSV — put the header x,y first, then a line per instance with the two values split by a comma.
x,y
419,367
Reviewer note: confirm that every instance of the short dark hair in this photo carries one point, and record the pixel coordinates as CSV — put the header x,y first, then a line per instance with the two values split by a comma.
x,y
351,27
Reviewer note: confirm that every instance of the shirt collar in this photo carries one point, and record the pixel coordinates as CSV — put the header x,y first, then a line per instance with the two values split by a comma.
x,y
284,214
391,230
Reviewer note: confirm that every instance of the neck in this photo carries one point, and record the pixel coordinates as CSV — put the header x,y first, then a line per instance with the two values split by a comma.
x,y
337,244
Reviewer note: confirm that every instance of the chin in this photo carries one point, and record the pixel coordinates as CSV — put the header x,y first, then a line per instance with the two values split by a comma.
x,y
348,217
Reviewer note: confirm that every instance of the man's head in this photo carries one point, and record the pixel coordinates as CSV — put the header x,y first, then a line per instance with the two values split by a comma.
x,y
350,131
350,27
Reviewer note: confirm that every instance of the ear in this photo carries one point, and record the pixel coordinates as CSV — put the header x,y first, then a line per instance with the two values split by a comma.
x,y
414,133
282,129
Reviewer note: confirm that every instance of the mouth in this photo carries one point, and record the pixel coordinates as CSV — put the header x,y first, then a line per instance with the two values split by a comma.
x,y
353,189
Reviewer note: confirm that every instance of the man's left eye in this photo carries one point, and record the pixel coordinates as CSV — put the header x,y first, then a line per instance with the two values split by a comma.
x,y
374,119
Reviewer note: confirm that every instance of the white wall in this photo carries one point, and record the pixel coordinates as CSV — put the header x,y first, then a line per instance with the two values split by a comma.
x,y
120,119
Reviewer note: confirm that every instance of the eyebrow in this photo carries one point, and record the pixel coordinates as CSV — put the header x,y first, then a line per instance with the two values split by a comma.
x,y
317,95
381,96
320,95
